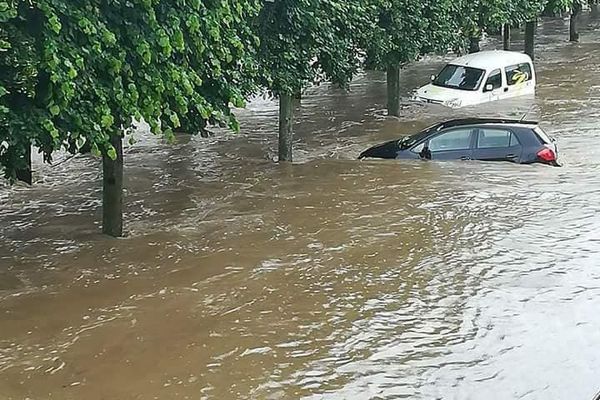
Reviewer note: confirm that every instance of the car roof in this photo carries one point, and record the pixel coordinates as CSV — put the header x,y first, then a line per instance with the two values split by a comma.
x,y
483,121
492,59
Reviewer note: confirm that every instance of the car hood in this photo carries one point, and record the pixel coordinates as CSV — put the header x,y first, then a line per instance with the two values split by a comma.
x,y
439,94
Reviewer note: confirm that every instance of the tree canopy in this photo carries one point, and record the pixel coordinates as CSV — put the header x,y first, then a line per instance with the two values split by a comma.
x,y
308,41
81,72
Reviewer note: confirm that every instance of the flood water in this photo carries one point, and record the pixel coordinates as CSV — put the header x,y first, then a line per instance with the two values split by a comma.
x,y
327,279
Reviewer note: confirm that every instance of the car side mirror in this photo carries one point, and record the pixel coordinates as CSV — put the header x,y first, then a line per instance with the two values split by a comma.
x,y
432,77
425,153
489,87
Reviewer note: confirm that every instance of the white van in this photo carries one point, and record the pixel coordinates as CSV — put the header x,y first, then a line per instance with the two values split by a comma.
x,y
480,77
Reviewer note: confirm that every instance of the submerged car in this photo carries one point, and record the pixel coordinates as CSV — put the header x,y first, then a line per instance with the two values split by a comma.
x,y
479,78
484,139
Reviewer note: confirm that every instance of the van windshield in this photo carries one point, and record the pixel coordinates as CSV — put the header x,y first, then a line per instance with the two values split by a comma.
x,y
459,77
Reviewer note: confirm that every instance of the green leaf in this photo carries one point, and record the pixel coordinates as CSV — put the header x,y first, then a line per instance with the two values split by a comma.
x,y
164,41
55,24
175,120
107,121
111,153
95,150
169,136
54,110
72,73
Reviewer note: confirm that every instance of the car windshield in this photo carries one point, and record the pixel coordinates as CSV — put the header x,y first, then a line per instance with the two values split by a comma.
x,y
459,77
409,141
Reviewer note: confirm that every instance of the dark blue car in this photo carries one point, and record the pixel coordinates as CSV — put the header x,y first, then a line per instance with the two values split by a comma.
x,y
482,139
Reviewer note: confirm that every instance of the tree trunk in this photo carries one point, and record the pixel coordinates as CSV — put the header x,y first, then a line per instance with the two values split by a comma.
x,y
286,118
506,36
573,34
25,174
112,201
393,90
595,12
530,38
474,44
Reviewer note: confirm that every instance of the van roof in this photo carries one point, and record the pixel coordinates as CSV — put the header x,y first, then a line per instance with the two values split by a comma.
x,y
491,59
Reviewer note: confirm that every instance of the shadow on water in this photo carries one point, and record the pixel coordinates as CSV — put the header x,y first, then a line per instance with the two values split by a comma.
x,y
330,278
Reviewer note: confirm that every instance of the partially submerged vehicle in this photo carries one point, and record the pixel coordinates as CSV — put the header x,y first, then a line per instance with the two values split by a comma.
x,y
485,139
479,78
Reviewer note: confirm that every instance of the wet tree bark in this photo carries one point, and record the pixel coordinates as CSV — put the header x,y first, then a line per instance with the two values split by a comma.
x,y
573,34
474,45
393,90
506,36
594,10
286,117
112,199
25,174
530,38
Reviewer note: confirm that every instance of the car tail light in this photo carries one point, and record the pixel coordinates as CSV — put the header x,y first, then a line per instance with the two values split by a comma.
x,y
547,154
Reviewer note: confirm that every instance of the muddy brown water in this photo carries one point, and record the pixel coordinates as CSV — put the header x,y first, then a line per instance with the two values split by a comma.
x,y
326,279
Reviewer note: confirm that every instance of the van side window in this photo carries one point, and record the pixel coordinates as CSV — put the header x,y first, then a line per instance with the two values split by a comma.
x,y
495,79
518,73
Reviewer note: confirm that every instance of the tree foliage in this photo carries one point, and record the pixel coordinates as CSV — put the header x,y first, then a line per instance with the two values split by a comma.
x,y
402,30
308,41
77,73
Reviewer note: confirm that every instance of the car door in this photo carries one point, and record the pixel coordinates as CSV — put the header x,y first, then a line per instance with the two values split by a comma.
x,y
497,144
454,144
493,85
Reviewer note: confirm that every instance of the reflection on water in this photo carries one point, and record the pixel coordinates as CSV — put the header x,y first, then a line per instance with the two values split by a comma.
x,y
331,278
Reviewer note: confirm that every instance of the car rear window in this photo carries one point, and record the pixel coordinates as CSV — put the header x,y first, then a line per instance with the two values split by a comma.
x,y
541,135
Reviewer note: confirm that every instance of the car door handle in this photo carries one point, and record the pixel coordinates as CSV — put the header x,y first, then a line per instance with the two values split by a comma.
x,y
465,158
506,89
511,156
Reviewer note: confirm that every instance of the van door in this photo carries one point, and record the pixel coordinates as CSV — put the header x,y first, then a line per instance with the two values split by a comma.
x,y
493,86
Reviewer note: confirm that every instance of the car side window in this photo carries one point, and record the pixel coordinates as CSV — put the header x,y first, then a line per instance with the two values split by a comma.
x,y
458,139
495,79
494,138
518,73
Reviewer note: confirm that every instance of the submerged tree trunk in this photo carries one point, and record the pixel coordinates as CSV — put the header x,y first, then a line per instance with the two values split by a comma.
x,y
594,10
506,36
474,44
573,34
25,174
530,38
393,90
286,117
112,201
